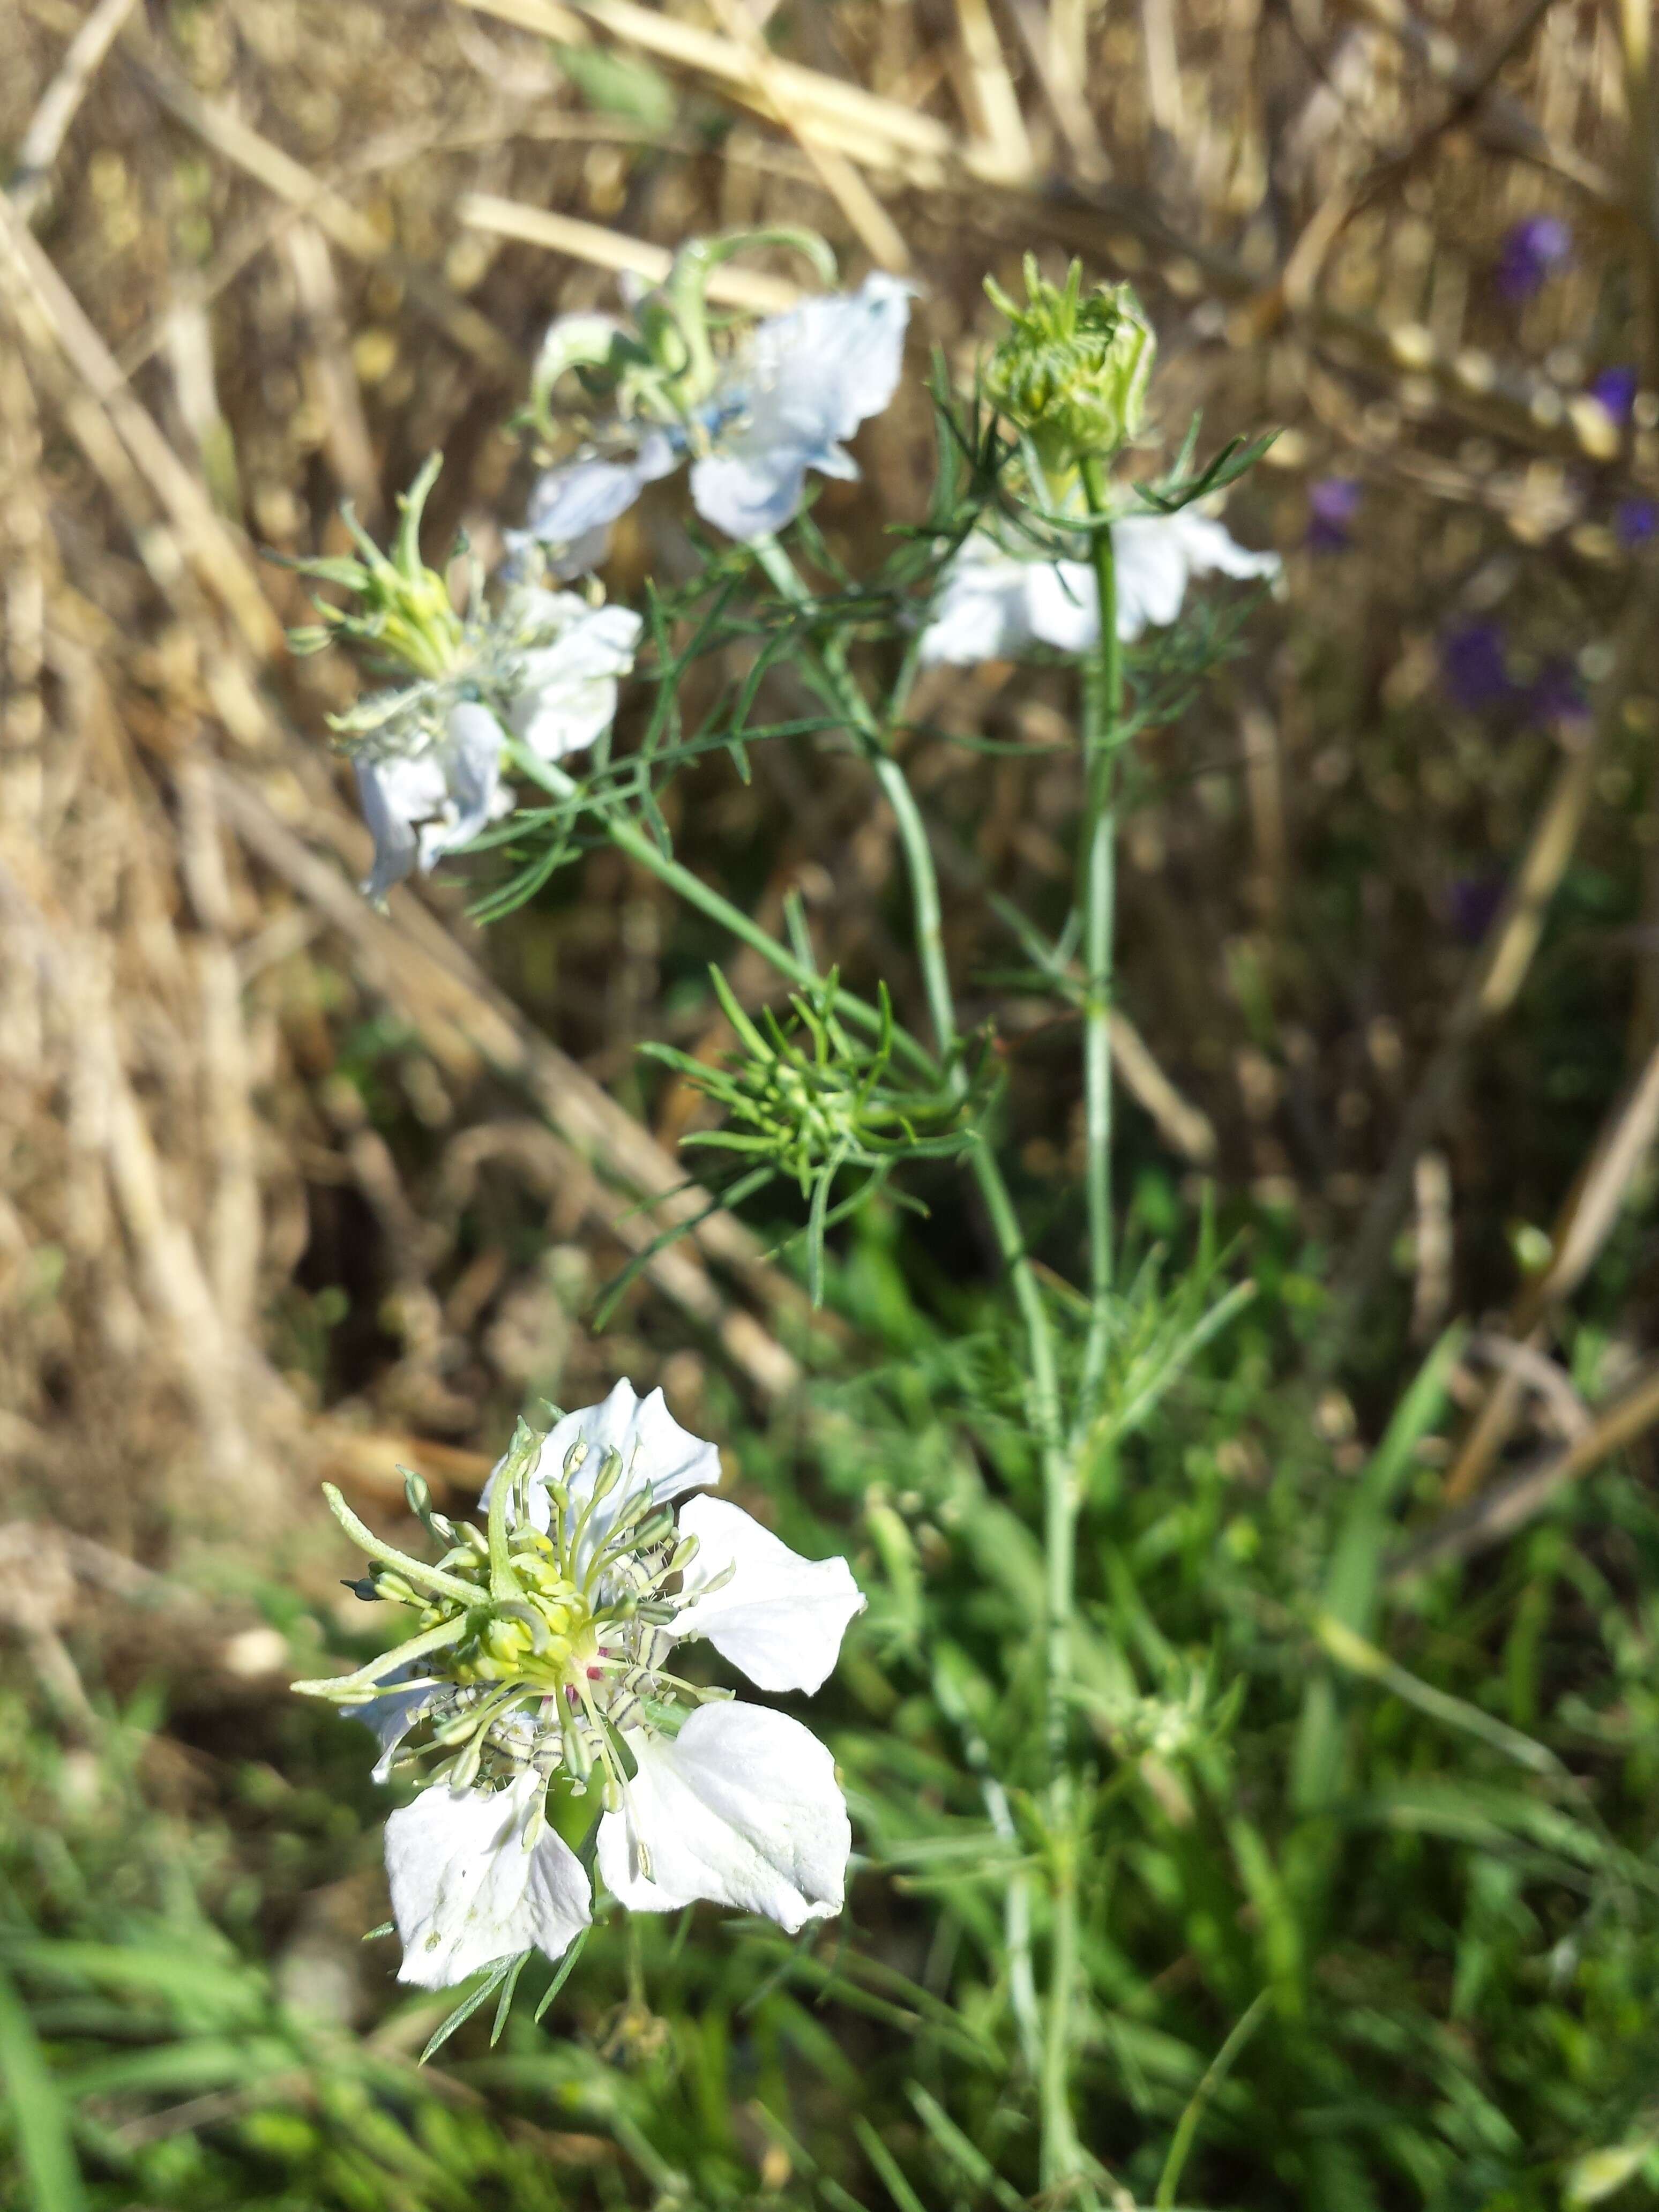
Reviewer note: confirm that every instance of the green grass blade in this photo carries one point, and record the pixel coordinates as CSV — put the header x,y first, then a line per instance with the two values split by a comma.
x,y
40,2115
886,2166
1214,2075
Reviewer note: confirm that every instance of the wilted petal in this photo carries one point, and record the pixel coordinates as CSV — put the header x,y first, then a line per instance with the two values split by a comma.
x,y
464,1890
657,1454
390,1718
471,763
742,1807
807,380
396,794
777,1616
567,693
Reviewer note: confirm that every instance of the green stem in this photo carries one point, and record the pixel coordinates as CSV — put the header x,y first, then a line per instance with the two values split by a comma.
x,y
840,684
629,838
837,679
1103,712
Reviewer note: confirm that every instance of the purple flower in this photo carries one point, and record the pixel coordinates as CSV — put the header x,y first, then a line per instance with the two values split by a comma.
x,y
1634,521
1471,904
1333,503
1474,666
1532,251
1555,695
1616,389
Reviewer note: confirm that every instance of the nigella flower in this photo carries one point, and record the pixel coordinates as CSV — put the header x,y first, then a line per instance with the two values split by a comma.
x,y
543,1662
1616,388
1474,666
752,422
993,601
1533,250
1556,695
428,756
1333,503
1472,904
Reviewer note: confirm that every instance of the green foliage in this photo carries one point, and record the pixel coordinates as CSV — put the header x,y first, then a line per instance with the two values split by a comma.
x,y
803,1100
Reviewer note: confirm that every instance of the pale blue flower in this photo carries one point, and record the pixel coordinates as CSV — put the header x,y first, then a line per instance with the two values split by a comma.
x,y
794,387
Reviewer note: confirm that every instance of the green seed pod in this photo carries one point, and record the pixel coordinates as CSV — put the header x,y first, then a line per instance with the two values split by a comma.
x,y
1072,370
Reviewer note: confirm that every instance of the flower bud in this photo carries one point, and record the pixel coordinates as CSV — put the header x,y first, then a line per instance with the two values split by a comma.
x,y
1073,371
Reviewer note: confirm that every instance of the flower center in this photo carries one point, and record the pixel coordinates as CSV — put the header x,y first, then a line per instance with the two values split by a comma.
x,y
535,1648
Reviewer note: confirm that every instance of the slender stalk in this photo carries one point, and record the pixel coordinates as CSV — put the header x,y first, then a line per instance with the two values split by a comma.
x,y
629,838
1062,2154
1103,712
842,686
1103,715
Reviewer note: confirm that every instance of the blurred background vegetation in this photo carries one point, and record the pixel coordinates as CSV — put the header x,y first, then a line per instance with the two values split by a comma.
x,y
293,1190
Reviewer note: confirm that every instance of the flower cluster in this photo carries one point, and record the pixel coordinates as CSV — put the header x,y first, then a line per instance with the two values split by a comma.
x,y
538,1676
1070,375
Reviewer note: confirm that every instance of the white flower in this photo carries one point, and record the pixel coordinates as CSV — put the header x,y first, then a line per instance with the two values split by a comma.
x,y
429,771
784,400
549,1644
992,602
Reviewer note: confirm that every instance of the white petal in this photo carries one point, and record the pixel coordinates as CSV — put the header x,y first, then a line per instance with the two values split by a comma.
x,y
979,612
753,495
568,694
472,763
1064,604
992,603
1151,572
1209,549
1157,554
465,1891
743,1807
820,369
657,1453
779,1617
805,380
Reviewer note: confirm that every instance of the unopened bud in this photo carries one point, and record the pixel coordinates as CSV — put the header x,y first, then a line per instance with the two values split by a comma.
x,y
1073,371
